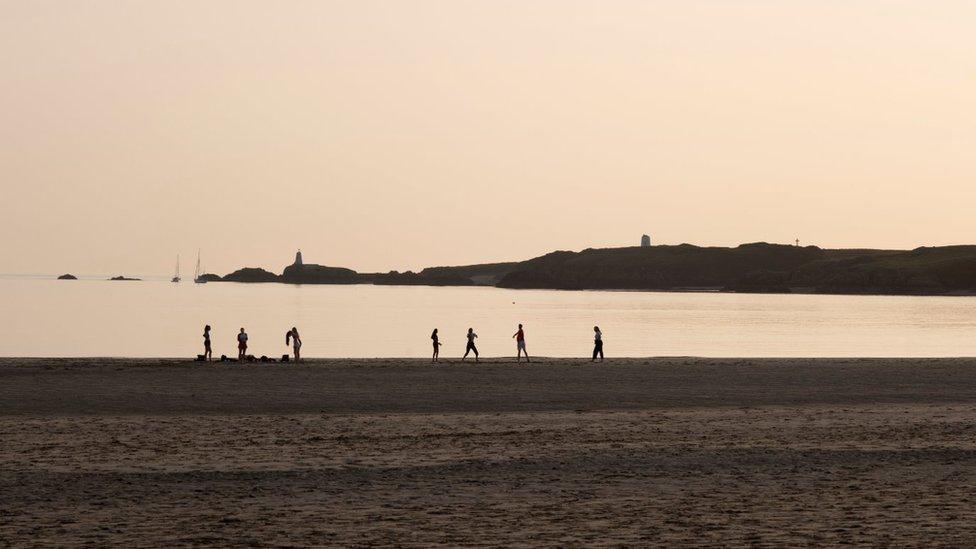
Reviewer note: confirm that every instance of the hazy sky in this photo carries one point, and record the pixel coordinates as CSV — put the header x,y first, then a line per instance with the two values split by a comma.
x,y
398,134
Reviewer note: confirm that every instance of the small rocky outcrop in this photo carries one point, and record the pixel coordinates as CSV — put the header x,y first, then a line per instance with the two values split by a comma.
x,y
210,277
251,274
67,277
120,277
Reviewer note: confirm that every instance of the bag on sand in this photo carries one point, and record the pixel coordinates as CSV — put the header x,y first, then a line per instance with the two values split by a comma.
x,y
284,358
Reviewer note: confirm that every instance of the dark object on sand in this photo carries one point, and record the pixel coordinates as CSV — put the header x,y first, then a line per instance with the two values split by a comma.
x,y
123,278
284,358
67,277
265,358
223,358
201,358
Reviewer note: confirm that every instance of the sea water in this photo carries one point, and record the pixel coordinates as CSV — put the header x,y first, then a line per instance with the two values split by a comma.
x,y
46,317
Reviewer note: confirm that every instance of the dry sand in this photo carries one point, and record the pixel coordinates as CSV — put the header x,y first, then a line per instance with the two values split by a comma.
x,y
353,452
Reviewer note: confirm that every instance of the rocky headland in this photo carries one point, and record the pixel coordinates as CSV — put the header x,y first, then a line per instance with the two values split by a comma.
x,y
756,267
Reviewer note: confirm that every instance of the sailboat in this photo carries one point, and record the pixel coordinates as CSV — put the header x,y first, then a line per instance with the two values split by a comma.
x,y
176,278
197,273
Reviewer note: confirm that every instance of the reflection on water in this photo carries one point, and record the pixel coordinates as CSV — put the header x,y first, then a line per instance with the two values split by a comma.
x,y
156,318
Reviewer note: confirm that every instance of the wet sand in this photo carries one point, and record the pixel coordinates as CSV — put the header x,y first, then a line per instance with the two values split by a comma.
x,y
364,452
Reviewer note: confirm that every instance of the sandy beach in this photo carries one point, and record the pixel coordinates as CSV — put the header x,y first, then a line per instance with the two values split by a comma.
x,y
560,452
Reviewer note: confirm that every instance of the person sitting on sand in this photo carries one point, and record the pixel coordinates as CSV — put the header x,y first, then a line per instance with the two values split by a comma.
x,y
241,345
597,343
471,337
437,345
520,345
297,342
207,352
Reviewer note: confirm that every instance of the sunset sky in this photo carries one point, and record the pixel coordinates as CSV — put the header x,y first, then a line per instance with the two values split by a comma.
x,y
397,135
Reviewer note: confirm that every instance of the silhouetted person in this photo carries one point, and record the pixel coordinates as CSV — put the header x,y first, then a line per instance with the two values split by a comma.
x,y
241,345
296,342
520,345
437,345
471,348
207,352
597,343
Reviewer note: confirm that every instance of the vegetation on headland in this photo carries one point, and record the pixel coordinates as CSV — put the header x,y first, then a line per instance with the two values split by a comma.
x,y
757,267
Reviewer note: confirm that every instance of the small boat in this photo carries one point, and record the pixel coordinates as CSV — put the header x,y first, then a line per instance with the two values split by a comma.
x,y
197,273
176,278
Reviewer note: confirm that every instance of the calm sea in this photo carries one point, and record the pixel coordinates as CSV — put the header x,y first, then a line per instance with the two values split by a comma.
x,y
44,317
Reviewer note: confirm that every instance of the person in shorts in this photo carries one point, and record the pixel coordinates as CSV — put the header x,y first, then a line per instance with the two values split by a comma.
x,y
520,345
241,345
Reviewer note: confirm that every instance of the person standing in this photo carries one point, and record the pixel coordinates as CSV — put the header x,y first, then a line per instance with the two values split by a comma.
x,y
520,345
207,352
597,343
296,342
471,347
437,345
241,345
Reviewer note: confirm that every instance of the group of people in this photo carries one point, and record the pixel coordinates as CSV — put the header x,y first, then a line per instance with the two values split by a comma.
x,y
291,338
519,337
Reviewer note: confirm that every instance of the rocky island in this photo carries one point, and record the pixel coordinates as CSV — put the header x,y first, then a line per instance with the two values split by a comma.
x,y
67,277
756,267
300,272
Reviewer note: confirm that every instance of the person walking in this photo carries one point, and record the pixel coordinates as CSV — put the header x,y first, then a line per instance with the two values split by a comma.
x,y
597,343
437,345
520,345
296,342
471,347
207,351
241,345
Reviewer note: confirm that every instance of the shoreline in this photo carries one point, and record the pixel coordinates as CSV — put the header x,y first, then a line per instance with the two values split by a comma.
x,y
165,386
675,290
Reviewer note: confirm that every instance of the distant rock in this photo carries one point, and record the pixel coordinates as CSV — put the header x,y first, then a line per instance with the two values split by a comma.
x,y
67,277
210,277
123,278
251,274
